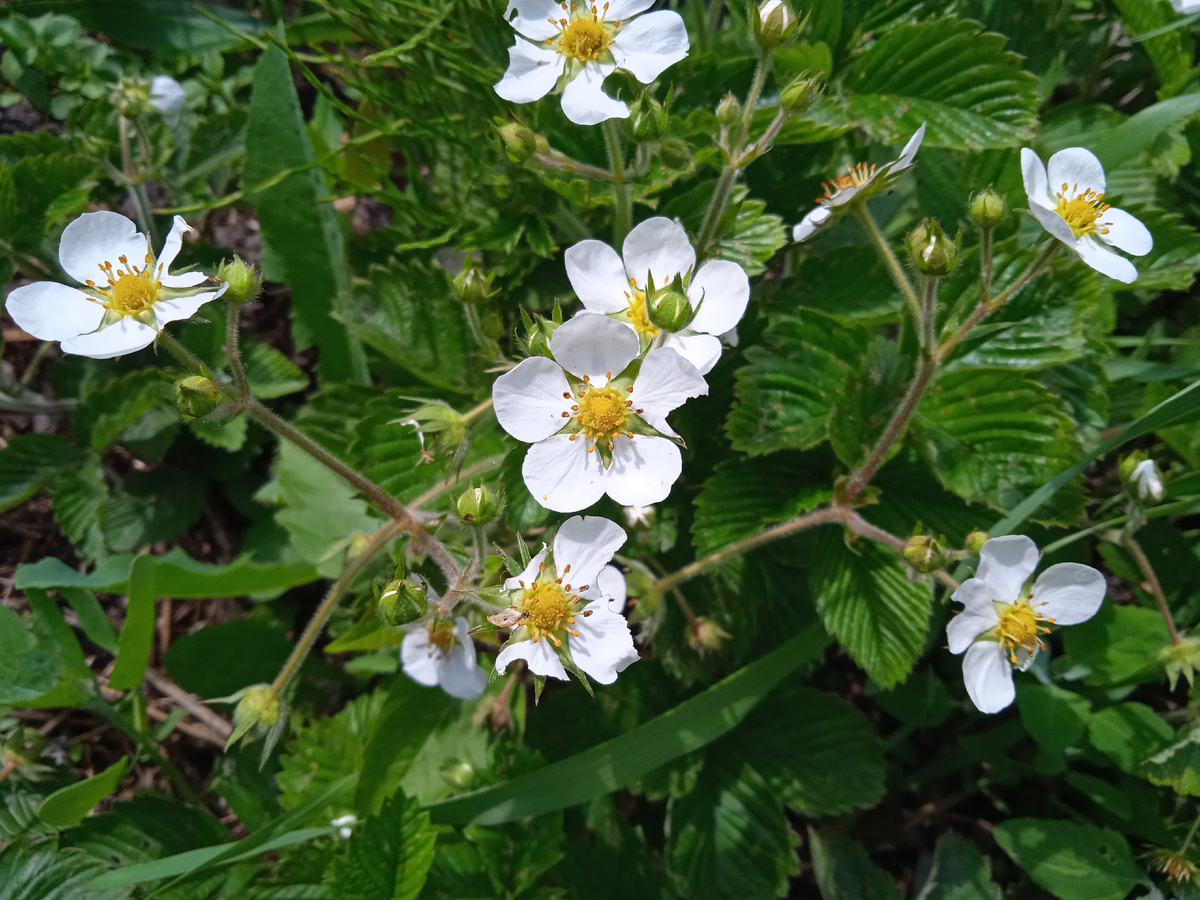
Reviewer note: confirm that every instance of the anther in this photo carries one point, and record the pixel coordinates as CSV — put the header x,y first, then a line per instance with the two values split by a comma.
x,y
567,586
587,377
572,437
639,411
584,588
574,632
586,613
611,446
570,620
566,395
608,375
629,434
628,403
591,448
629,390
566,415
574,407
542,566
566,568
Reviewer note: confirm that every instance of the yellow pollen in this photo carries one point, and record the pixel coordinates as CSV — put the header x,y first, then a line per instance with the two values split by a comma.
x,y
443,637
546,607
1082,211
601,412
585,36
856,176
639,318
1020,627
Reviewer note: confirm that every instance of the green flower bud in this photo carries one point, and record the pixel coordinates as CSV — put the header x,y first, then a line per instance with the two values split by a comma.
x,y
472,284
258,710
478,506
925,553
975,541
728,111
932,252
988,209
402,601
675,153
519,142
245,280
1180,659
538,331
669,308
196,396
647,119
800,94
705,635
773,24
132,97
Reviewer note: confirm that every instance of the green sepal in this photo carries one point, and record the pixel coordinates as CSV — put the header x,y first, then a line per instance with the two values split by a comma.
x,y
539,682
564,655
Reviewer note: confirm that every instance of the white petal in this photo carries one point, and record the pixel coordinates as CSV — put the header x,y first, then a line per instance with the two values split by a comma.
x,y
1033,172
125,336
458,674
1025,658
1069,593
586,544
533,17
183,307
53,312
1005,564
611,588
659,246
419,657
604,645
643,469
909,153
620,10
584,101
1145,478
846,194
172,244
808,226
530,573
1078,169
186,280
99,237
701,350
1053,223
529,400
598,277
561,474
665,382
1105,261
532,72
167,95
1125,232
648,45
539,655
988,677
725,290
594,345
968,625
977,596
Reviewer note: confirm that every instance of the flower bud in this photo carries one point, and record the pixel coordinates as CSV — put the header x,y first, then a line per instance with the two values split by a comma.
x,y
728,111
519,142
472,284
647,119
705,634
670,308
975,541
538,332
132,97
402,601
1141,478
196,396
675,153
1180,659
988,209
478,506
800,94
245,280
932,252
924,553
775,24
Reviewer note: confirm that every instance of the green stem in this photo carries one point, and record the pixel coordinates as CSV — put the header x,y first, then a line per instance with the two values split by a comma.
x,y
716,209
712,18
233,351
186,356
985,263
1187,841
136,193
928,323
885,252
748,108
1143,562
32,368
622,194
476,411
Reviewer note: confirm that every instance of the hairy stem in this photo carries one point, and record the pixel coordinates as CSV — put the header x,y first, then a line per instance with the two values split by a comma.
x,y
985,263
553,159
1143,562
476,411
885,252
1187,841
622,195
233,351
928,321
863,528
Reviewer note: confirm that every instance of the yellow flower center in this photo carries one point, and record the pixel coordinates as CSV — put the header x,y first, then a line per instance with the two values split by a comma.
x,y
443,636
1020,627
548,608
601,413
583,33
856,176
1082,211
130,290
639,318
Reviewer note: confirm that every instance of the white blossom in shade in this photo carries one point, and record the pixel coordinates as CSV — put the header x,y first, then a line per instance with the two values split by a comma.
x,y
127,297
441,654
1147,481
345,825
565,616
605,283
572,47
638,515
167,96
861,180
1067,198
598,424
1002,623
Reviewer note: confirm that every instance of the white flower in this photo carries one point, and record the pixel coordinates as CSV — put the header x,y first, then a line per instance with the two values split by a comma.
x,y
565,612
598,424
128,297
1186,6
573,47
442,654
345,824
859,179
1146,479
638,515
1001,624
612,586
719,290
167,95
1069,202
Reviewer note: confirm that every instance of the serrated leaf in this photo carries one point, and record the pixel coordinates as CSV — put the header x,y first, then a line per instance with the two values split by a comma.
x,y
26,670
325,749
959,872
77,495
751,238
46,875
30,461
1070,860
742,496
111,406
388,857
844,871
729,837
230,435
995,436
869,604
866,401
151,506
1177,766
45,189
1171,52
389,451
970,92
1172,263
270,373
1128,734
786,392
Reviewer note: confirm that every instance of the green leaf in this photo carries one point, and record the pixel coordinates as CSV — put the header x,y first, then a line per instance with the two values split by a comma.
x,y
742,496
1055,718
152,506
389,452
46,875
1172,263
26,671
869,604
729,837
1071,861
602,769
1128,734
111,406
845,872
92,618
137,634
220,659
1171,54
388,857
44,190
1117,646
67,806
995,436
786,393
302,245
752,238
30,461
1178,766
229,435
971,92
78,494
270,373
327,749
864,405
959,872
155,25
821,758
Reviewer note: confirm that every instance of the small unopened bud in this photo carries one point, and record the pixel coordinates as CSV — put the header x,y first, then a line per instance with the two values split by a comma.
x,y
537,336
932,252
402,601
669,308
675,153
519,142
245,280
988,209
196,396
775,24
728,111
461,774
705,635
258,705
478,506
800,94
647,119
1180,659
975,541
1142,478
472,284
924,553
